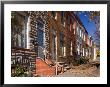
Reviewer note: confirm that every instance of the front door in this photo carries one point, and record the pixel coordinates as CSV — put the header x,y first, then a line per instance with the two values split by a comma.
x,y
41,37
53,45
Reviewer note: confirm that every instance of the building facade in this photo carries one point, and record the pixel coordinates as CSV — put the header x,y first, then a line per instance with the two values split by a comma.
x,y
56,35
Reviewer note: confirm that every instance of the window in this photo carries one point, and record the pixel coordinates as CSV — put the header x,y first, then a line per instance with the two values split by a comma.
x,y
18,30
78,48
69,21
88,40
53,13
61,39
84,38
62,17
71,52
72,20
77,30
80,33
62,43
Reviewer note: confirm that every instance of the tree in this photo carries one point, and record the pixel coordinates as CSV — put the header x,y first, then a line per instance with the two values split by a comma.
x,y
94,16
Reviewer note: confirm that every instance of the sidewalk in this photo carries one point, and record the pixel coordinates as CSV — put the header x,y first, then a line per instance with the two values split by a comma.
x,y
81,71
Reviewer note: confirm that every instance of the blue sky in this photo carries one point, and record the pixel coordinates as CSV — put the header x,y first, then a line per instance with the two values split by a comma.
x,y
90,26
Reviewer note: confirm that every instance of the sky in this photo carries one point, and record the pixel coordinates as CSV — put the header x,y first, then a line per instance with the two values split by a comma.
x,y
90,26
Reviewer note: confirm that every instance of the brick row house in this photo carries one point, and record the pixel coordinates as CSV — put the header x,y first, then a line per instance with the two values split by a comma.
x,y
83,40
42,37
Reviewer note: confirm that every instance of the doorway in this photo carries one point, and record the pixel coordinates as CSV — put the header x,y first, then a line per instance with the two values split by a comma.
x,y
41,38
54,43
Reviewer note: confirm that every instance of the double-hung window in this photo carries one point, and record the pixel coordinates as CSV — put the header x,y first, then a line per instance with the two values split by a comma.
x,y
18,30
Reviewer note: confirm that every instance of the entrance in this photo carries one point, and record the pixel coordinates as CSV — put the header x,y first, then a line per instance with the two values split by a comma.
x,y
54,42
41,38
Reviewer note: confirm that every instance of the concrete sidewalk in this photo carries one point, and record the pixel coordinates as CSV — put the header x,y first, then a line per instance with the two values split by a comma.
x,y
81,71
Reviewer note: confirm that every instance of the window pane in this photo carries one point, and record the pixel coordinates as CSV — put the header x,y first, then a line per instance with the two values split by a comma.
x,y
61,39
53,13
18,30
40,37
40,27
62,17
